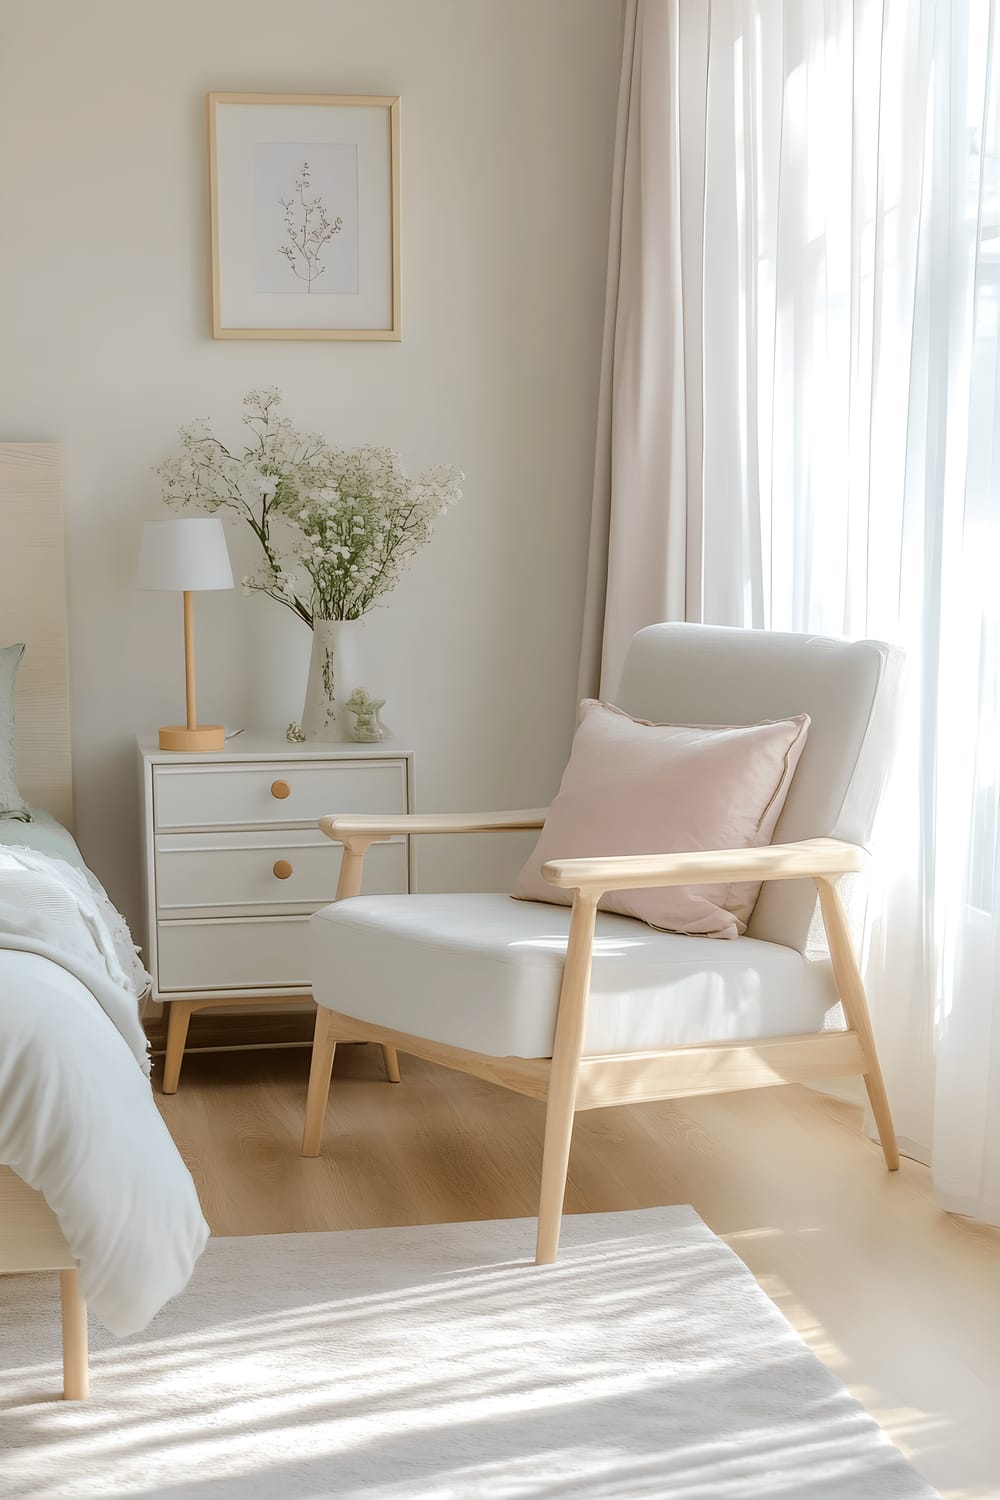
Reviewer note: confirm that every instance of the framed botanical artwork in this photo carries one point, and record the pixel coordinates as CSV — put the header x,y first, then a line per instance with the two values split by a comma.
x,y
305,216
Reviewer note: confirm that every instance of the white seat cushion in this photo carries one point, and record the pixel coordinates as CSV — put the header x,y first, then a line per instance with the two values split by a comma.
x,y
482,972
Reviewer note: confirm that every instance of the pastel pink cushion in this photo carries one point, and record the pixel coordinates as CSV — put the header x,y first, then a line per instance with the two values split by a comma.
x,y
632,787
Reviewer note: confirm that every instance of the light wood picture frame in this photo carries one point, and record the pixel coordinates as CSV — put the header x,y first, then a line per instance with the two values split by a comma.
x,y
304,208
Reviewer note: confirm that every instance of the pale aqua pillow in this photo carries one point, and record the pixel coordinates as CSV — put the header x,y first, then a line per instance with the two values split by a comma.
x,y
12,804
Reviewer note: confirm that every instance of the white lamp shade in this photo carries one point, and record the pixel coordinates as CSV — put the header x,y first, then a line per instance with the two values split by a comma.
x,y
186,553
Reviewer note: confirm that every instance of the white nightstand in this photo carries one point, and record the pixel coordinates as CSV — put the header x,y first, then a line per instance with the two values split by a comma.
x,y
234,865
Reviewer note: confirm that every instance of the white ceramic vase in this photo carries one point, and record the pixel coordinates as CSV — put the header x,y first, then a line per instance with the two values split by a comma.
x,y
333,675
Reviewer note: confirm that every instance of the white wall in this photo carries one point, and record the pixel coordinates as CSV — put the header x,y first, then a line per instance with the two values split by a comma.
x,y
507,134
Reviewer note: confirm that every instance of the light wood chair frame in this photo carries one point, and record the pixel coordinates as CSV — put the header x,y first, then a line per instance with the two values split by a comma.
x,y
570,1080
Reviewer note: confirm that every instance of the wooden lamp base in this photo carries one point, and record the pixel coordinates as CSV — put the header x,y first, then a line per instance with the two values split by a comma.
x,y
192,736
203,737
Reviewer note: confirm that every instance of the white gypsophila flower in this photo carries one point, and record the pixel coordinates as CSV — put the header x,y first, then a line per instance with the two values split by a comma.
x,y
337,527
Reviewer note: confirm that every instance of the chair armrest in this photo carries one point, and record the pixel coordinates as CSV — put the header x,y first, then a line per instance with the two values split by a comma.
x,y
372,828
809,857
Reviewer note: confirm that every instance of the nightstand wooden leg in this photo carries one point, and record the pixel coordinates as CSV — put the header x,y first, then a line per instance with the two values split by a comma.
x,y
74,1337
391,1064
320,1072
177,1030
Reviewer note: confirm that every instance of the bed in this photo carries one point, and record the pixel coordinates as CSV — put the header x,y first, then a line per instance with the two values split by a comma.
x,y
91,1185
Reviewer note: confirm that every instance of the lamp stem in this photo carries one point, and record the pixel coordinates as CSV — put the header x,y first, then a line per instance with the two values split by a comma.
x,y
192,711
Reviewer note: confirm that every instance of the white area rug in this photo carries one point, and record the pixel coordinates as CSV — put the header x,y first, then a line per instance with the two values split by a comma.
x,y
438,1362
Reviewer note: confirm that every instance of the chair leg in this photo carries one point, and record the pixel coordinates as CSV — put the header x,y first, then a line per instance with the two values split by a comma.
x,y
559,1118
320,1072
567,1046
76,1381
177,1030
391,1061
855,1002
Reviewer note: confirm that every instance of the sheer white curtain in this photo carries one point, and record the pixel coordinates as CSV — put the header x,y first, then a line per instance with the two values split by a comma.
x,y
838,238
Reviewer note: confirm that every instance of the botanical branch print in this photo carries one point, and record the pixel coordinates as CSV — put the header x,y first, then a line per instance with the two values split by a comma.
x,y
308,230
336,526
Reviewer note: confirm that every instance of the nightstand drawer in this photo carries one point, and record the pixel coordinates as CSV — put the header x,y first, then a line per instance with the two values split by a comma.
x,y
254,794
263,953
223,872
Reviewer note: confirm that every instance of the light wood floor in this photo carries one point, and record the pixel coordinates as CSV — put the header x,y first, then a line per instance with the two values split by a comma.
x,y
901,1300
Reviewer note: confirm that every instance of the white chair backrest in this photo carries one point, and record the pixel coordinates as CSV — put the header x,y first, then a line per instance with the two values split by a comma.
x,y
708,674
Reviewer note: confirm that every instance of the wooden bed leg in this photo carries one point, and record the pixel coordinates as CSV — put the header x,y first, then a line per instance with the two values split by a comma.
x,y
560,1109
320,1073
177,1030
391,1062
76,1381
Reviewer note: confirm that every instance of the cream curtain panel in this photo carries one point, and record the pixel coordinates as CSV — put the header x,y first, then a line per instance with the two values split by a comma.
x,y
638,555
799,431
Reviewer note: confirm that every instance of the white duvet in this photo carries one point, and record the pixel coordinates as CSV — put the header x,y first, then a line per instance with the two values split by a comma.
x,y
77,1116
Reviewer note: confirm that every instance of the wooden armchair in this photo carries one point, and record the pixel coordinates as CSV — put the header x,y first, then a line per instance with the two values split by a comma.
x,y
586,1009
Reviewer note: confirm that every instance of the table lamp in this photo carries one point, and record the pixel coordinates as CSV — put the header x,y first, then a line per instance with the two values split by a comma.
x,y
186,555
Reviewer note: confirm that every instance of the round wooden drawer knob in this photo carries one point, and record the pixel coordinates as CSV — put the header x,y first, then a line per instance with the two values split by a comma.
x,y
282,869
280,789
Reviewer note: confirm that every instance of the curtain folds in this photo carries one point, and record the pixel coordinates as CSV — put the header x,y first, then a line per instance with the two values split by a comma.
x,y
637,567
799,431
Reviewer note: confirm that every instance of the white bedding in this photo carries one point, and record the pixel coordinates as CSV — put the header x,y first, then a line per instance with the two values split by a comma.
x,y
77,1117
50,908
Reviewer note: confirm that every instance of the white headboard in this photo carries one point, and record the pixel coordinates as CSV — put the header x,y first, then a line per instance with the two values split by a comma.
x,y
33,610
